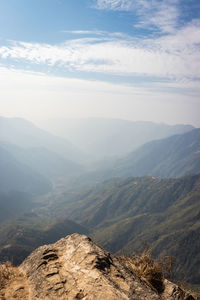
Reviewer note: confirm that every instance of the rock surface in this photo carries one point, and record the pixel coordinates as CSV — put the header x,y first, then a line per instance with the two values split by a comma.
x,y
172,291
76,268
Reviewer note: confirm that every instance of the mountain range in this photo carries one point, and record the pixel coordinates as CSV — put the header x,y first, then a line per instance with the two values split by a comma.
x,y
50,188
122,214
30,158
110,137
44,161
175,156
25,134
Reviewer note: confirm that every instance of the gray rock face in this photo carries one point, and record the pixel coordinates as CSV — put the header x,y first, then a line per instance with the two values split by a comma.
x,y
76,268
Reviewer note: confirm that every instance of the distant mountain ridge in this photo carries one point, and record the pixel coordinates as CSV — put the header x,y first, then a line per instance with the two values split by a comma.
x,y
25,134
14,175
46,162
31,157
110,137
175,156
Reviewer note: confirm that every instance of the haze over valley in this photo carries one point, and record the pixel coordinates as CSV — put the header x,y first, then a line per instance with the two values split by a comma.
x,y
100,131
51,188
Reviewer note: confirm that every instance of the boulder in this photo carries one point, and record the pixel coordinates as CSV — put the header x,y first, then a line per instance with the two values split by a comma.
x,y
76,268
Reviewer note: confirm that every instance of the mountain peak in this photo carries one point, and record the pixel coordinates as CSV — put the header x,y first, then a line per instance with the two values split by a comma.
x,y
76,268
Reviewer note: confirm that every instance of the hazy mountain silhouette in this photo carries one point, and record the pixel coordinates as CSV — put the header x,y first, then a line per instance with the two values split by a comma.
x,y
23,133
175,156
46,162
107,137
15,175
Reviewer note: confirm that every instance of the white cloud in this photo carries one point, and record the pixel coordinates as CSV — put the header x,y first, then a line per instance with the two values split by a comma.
x,y
184,40
96,32
163,15
114,4
84,32
173,56
160,14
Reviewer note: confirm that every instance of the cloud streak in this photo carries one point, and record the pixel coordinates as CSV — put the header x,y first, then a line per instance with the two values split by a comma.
x,y
173,56
114,4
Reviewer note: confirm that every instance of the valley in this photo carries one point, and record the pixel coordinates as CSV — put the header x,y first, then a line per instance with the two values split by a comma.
x,y
148,197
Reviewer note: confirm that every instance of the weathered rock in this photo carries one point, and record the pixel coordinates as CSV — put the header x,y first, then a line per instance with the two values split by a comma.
x,y
76,268
13,284
172,291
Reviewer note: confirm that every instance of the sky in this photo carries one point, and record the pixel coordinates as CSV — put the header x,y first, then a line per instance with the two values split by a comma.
x,y
127,59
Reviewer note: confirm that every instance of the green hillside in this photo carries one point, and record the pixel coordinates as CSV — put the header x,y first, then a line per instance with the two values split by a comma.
x,y
175,156
120,214
162,212
19,237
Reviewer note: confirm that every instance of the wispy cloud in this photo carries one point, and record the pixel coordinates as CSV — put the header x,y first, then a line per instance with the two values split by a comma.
x,y
84,32
160,14
96,33
173,56
114,4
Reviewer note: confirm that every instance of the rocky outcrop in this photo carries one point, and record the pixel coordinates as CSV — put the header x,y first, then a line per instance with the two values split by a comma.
x,y
76,268
173,291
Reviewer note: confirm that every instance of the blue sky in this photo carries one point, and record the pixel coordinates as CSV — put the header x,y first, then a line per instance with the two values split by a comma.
x,y
129,59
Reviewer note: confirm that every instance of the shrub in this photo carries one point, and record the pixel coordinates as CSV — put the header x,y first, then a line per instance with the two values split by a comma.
x,y
150,271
